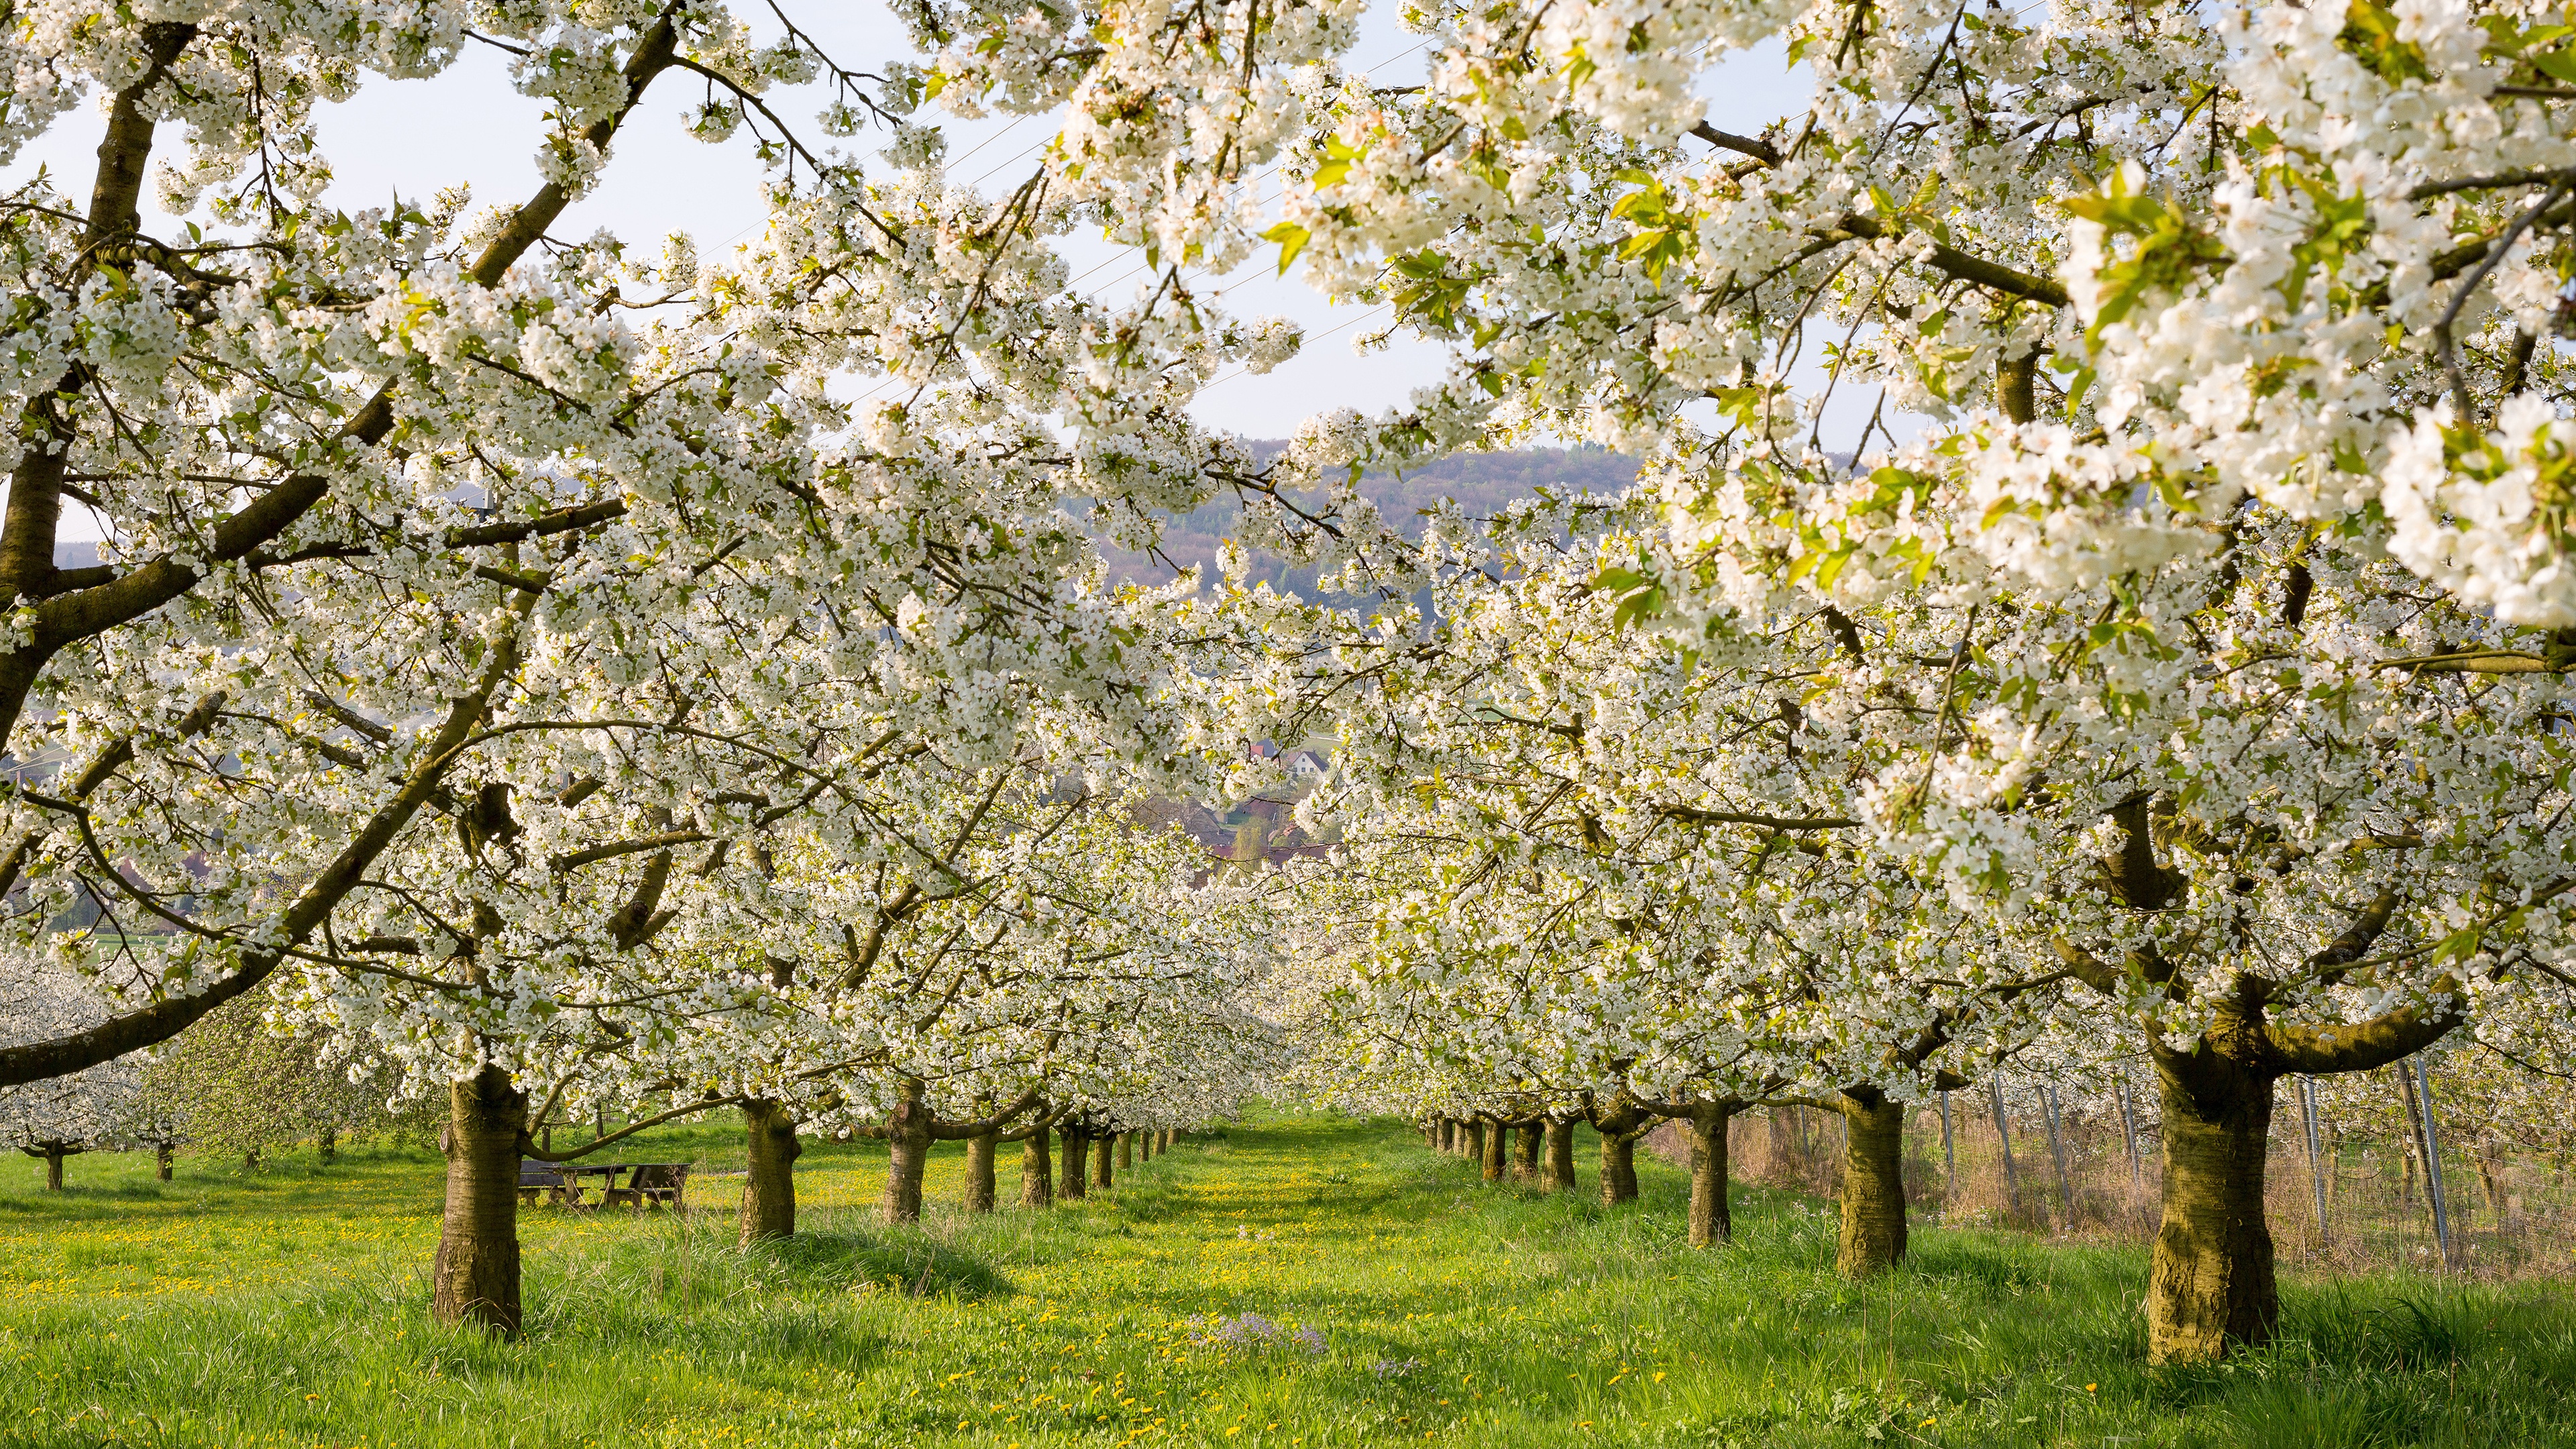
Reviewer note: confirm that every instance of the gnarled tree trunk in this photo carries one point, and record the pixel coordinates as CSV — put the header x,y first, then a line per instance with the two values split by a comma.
x,y
1472,1146
1618,1168
1077,1164
1525,1157
770,1150
1873,1226
1126,1151
908,1156
2212,1283
1104,1172
979,1171
475,1276
1620,1128
1496,1162
1556,1170
161,1161
1705,1125
1037,1174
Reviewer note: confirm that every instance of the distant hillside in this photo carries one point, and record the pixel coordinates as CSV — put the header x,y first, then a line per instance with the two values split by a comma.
x,y
1481,483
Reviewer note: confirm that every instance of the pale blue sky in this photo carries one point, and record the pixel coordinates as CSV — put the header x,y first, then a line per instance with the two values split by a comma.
x,y
414,137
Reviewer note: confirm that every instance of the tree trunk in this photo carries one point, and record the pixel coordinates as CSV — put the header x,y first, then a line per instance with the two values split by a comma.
x,y
1474,1147
161,1161
1169,1137
1873,1229
1104,1172
1497,1150
770,1150
1706,1126
979,1171
1618,1168
475,1276
54,1155
908,1156
1525,1164
2414,1133
1556,1170
1126,1152
328,1143
2489,1179
1037,1173
2211,1286
1077,1164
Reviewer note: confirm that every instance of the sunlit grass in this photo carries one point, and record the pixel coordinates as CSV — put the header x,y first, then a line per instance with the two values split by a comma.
x,y
1394,1298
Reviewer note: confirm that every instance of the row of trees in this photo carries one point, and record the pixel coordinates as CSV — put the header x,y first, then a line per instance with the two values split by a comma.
x,y
1620,875
231,1087
517,671
520,661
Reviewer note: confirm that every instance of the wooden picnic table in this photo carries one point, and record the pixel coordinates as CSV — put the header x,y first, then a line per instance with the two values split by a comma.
x,y
663,1183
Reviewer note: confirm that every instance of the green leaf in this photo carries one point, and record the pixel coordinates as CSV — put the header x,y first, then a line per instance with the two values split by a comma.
x,y
1292,239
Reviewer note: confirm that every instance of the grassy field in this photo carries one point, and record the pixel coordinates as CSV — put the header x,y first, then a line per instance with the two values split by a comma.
x,y
1291,1282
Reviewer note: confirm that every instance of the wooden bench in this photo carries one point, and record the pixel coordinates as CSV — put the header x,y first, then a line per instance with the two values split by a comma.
x,y
665,1183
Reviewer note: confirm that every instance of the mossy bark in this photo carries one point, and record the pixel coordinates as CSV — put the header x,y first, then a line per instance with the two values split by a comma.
x,y
1126,1151
1873,1226
53,1153
474,1278
1620,1128
979,1171
1618,1168
161,1161
1037,1173
908,1157
1711,1221
2211,1286
1104,1172
1077,1165
1556,1170
770,1149
1526,1156
1495,1160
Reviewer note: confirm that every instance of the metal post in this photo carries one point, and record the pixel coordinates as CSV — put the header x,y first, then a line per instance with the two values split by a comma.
x,y
1949,1155
2433,1165
2316,1160
2129,1134
2057,1149
2003,1130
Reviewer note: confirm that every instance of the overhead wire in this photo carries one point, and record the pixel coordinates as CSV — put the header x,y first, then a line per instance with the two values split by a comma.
x,y
1137,268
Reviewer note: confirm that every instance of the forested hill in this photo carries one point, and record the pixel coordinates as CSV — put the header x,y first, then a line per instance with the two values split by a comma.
x,y
1481,482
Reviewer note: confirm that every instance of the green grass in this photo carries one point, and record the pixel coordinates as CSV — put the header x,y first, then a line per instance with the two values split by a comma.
x,y
290,1308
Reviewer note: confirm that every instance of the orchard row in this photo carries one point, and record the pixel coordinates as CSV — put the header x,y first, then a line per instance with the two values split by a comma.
x,y
555,674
